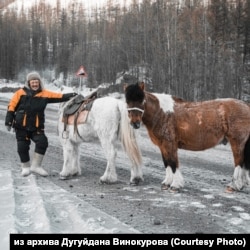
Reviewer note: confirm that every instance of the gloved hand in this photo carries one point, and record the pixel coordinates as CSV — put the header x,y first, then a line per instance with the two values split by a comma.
x,y
69,95
8,127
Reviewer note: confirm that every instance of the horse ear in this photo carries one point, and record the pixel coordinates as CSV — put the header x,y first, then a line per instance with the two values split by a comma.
x,y
142,85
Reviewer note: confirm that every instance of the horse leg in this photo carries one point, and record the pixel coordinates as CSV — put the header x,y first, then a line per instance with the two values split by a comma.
x,y
173,179
109,175
239,180
136,175
247,161
248,178
71,156
240,175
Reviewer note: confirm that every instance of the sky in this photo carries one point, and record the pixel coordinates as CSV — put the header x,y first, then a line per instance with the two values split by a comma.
x,y
89,3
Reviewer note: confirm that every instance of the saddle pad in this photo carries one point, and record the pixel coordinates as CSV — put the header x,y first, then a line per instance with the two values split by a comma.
x,y
74,105
82,117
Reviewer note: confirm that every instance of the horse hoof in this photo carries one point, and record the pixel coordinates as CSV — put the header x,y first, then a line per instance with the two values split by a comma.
x,y
106,182
63,177
165,187
174,190
229,190
101,182
135,181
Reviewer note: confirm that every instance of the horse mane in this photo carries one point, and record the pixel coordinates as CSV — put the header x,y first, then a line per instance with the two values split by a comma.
x,y
178,99
134,93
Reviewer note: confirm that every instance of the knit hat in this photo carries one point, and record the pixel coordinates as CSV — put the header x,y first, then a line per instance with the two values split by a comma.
x,y
33,76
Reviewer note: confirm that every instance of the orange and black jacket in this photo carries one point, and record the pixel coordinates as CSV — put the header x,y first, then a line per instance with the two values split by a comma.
x,y
26,107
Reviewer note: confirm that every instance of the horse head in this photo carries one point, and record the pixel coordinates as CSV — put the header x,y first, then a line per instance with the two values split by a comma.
x,y
135,98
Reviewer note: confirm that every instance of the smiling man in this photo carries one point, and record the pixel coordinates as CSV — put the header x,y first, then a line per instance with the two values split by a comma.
x,y
25,114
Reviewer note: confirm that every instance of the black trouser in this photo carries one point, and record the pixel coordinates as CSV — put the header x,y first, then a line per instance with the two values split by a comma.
x,y
24,138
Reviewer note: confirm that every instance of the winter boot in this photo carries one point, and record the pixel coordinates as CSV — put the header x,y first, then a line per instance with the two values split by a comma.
x,y
25,168
36,165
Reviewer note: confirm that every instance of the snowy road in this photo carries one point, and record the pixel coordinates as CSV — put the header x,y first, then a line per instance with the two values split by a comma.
x,y
81,205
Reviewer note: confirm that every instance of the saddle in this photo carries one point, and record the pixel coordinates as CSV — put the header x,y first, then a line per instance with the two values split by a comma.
x,y
77,110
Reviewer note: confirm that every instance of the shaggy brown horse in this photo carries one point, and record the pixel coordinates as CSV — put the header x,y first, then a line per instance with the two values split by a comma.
x,y
173,123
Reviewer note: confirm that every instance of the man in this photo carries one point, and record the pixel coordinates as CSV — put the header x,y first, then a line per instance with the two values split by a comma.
x,y
25,114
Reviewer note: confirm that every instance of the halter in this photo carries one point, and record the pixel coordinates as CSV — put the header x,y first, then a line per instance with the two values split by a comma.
x,y
138,109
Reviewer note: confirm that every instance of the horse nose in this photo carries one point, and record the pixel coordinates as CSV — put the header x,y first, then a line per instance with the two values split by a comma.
x,y
136,125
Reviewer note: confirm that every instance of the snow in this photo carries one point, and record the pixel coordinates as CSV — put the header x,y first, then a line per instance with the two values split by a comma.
x,y
22,207
7,208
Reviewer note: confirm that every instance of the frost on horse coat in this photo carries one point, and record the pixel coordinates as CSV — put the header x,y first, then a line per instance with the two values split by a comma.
x,y
173,123
107,121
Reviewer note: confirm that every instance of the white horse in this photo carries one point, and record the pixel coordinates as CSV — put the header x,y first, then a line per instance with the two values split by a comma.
x,y
108,121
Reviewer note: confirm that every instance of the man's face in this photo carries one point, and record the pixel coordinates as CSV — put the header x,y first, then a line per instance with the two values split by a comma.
x,y
34,84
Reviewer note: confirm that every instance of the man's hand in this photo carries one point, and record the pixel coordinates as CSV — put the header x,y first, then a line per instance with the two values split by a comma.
x,y
67,96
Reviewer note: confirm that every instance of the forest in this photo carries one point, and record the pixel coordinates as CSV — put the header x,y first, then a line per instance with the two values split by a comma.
x,y
194,49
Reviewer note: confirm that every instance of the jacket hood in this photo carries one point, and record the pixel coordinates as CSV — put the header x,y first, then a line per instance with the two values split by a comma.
x,y
33,76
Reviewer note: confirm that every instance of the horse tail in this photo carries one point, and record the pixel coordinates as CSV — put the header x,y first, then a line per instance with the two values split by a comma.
x,y
247,154
128,137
